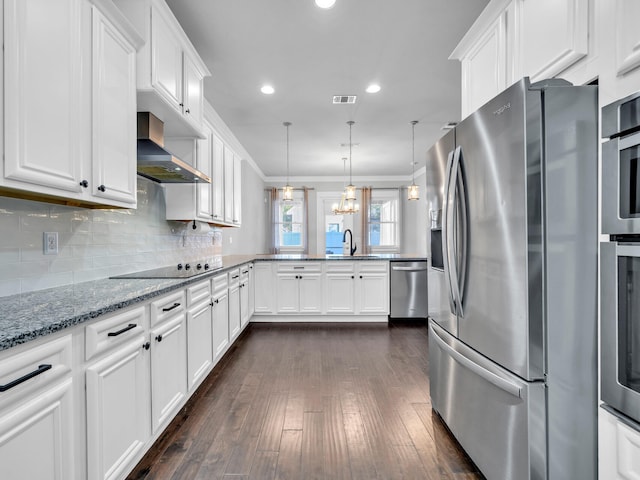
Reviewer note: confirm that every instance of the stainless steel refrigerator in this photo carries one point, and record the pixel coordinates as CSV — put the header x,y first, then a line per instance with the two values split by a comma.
x,y
512,198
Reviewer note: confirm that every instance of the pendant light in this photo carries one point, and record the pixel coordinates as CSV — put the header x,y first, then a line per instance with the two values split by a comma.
x,y
413,191
350,190
345,207
287,190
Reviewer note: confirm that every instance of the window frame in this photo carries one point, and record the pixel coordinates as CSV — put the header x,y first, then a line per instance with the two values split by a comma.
x,y
392,195
298,197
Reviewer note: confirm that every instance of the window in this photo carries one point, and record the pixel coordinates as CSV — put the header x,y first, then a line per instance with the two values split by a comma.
x,y
383,220
290,223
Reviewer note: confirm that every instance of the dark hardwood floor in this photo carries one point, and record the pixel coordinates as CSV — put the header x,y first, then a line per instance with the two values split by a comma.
x,y
313,401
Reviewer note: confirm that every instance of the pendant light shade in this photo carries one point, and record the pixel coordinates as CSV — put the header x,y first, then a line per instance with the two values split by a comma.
x,y
413,191
346,206
287,190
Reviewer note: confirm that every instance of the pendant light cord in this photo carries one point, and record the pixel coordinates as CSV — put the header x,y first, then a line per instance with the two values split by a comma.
x,y
350,122
287,124
413,151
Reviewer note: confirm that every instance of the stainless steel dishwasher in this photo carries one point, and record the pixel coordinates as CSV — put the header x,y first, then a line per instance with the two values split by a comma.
x,y
408,284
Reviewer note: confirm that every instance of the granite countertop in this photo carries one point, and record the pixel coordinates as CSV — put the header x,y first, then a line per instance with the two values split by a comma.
x,y
28,316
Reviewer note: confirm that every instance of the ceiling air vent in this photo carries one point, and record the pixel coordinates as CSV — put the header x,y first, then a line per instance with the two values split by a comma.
x,y
337,99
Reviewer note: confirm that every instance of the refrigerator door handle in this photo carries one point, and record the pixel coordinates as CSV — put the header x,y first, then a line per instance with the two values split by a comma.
x,y
464,230
446,234
501,383
452,259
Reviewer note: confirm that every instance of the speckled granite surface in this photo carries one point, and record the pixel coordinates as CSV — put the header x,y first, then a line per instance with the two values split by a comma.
x,y
31,315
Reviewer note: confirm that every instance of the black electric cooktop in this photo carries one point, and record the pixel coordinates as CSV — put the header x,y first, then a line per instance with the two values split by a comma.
x,y
187,270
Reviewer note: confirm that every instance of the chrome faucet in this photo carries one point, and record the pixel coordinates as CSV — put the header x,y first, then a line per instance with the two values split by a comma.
x,y
352,247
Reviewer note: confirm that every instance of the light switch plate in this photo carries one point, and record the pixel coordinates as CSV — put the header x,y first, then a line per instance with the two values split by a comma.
x,y
50,243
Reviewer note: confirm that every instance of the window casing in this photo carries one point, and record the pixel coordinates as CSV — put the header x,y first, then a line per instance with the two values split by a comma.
x,y
383,221
290,223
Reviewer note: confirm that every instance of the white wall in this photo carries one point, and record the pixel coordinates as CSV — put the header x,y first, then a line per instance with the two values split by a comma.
x,y
252,237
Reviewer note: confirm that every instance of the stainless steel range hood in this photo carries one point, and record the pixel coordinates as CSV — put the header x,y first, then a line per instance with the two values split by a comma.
x,y
158,164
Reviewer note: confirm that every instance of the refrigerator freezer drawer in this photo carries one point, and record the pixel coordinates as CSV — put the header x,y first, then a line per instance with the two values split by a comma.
x,y
498,418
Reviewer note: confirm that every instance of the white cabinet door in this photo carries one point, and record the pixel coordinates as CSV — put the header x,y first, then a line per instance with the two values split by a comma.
x,y
46,129
627,36
252,290
36,438
545,52
168,369
228,185
484,67
114,114
193,94
287,293
245,290
199,342
166,59
220,323
310,293
339,293
204,164
237,190
37,413
234,311
264,289
618,448
373,293
118,410
218,180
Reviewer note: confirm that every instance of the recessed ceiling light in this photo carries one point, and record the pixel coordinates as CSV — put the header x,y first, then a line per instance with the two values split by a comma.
x,y
325,3
267,89
373,88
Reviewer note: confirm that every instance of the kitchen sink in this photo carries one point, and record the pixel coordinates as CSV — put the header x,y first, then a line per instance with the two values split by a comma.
x,y
339,255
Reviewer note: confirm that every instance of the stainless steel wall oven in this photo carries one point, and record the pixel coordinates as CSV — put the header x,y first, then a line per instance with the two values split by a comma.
x,y
620,257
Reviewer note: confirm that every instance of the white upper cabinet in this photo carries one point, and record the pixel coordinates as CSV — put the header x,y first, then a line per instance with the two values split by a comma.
x,y
627,36
217,207
516,38
170,71
61,130
114,121
237,190
228,185
545,52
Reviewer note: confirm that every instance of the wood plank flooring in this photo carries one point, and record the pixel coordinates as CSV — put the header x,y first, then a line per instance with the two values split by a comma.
x,y
313,401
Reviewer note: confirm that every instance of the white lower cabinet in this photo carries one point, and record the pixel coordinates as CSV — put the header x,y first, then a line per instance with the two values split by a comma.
x,y
199,332
118,395
36,413
245,294
299,287
340,288
234,304
168,369
264,287
372,287
618,447
220,315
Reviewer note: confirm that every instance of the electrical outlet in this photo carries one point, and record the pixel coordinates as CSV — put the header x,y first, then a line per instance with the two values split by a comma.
x,y
230,240
50,243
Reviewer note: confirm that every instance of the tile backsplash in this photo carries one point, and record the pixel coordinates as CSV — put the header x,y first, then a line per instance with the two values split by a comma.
x,y
94,244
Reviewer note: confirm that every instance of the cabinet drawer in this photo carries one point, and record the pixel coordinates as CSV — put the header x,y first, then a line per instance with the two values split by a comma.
x,y
299,267
340,267
167,307
368,266
244,270
113,331
34,369
220,284
198,293
234,277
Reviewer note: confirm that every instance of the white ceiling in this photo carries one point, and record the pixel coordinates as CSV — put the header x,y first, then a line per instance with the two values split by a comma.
x,y
309,55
